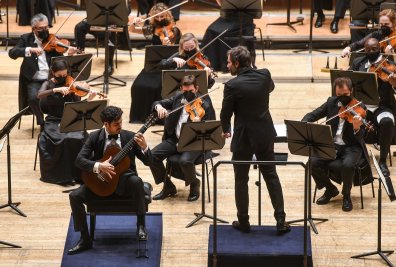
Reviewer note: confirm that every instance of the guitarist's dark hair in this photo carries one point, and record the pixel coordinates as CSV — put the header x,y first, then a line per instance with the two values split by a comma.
x,y
110,114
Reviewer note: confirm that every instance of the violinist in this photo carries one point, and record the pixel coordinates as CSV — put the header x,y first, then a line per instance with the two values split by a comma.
x,y
383,114
168,147
34,69
146,88
348,138
58,150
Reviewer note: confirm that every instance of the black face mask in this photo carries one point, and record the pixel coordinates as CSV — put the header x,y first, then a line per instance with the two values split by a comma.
x,y
43,35
60,80
385,31
373,56
190,53
344,99
189,95
163,23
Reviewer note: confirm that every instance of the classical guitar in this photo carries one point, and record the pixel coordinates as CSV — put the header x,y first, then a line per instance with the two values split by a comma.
x,y
100,183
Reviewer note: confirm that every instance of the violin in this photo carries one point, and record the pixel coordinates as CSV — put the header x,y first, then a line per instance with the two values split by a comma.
x,y
389,40
166,32
200,62
354,109
78,89
383,69
55,44
195,109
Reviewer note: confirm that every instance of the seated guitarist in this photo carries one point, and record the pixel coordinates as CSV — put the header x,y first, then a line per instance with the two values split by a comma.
x,y
130,184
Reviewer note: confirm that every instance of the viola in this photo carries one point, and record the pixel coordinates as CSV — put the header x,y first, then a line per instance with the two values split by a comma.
x,y
55,44
200,62
78,89
195,109
383,69
166,32
355,109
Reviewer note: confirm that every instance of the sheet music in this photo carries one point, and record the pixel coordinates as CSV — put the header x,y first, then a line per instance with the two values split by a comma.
x,y
389,191
280,129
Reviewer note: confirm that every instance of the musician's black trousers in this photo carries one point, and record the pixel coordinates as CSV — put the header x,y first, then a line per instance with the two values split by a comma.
x,y
132,187
32,88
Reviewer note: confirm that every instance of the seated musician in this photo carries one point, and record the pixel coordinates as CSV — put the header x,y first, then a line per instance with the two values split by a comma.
x,y
383,114
36,59
168,147
146,88
349,143
130,184
58,150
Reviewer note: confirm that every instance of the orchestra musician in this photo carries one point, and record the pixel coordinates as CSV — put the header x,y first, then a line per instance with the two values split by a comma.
x,y
349,143
247,98
340,9
58,150
34,69
168,147
383,115
129,185
147,86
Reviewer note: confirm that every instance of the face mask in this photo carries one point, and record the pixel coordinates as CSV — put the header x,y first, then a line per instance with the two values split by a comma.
x,y
162,23
344,99
43,35
60,80
191,52
189,95
373,56
385,31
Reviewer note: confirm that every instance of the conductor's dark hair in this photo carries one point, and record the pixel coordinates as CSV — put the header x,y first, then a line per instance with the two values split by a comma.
x,y
59,64
240,54
110,114
188,80
343,81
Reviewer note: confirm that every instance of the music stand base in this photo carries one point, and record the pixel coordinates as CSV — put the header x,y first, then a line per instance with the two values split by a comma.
x,y
379,252
121,82
289,24
311,222
203,215
9,244
14,207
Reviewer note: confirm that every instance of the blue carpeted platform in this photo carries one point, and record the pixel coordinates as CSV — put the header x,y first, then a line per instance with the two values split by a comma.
x,y
115,242
261,247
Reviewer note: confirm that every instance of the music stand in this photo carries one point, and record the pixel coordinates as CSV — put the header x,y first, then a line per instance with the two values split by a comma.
x,y
312,140
155,53
105,13
201,136
171,81
76,64
82,116
5,132
7,39
365,86
288,22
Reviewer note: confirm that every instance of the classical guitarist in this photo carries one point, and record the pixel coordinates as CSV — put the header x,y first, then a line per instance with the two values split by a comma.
x,y
94,159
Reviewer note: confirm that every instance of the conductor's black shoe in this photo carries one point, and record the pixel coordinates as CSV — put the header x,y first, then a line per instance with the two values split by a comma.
x,y
195,190
384,168
282,227
334,26
82,244
244,228
169,189
347,203
319,21
141,232
328,194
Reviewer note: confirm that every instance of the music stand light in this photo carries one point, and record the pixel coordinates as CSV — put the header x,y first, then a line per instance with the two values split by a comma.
x,y
201,136
171,81
76,64
155,53
311,140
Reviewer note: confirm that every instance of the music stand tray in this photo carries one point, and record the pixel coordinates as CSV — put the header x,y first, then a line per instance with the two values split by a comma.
x,y
155,53
233,9
171,81
201,136
365,86
76,64
311,140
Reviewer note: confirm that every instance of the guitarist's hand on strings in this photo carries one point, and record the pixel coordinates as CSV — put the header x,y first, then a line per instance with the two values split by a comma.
x,y
107,168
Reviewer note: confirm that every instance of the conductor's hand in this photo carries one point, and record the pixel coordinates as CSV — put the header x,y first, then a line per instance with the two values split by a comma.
x,y
357,122
107,168
179,62
140,140
161,111
226,135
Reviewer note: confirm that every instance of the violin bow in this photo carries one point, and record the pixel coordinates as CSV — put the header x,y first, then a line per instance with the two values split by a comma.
x,y
60,27
380,42
166,10
78,75
338,114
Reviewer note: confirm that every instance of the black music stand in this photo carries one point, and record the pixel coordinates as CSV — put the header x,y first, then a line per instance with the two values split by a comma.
x,y
155,53
201,136
5,132
7,39
387,183
105,13
288,22
312,140
365,86
76,64
171,81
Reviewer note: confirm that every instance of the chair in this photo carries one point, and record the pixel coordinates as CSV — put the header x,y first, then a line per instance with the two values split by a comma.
x,y
359,170
19,124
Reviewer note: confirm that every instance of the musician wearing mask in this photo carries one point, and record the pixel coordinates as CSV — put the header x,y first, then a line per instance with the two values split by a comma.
x,y
387,22
349,143
129,184
168,147
383,114
58,150
247,98
35,65
146,88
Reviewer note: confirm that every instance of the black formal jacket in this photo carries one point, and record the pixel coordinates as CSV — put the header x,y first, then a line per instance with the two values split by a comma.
x,y
93,149
29,64
172,120
329,109
247,97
